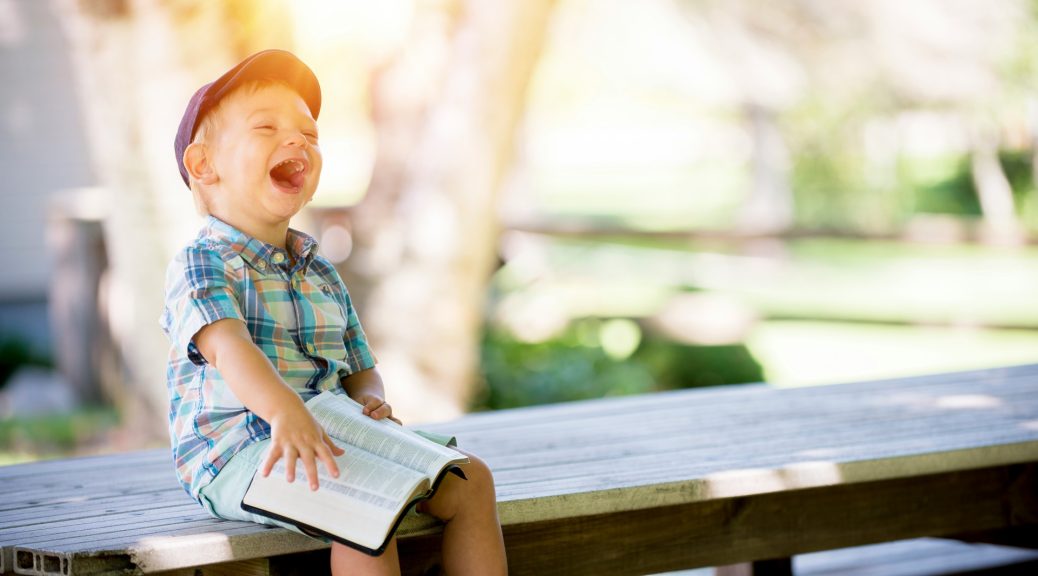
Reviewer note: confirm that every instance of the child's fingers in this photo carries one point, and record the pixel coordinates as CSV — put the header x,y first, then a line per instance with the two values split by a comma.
x,y
290,464
336,450
310,465
273,455
380,411
326,453
371,403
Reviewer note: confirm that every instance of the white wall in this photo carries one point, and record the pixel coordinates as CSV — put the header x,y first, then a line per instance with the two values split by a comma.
x,y
42,146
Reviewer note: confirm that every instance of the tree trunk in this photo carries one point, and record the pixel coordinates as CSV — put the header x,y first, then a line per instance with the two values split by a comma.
x,y
425,237
768,208
994,192
138,62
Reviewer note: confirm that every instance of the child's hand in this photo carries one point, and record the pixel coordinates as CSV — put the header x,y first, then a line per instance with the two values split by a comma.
x,y
294,434
376,406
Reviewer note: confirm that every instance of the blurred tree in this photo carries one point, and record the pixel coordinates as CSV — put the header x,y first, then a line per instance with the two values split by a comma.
x,y
426,234
135,61
841,71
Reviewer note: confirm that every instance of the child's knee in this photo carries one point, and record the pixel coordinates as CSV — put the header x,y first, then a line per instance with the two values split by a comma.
x,y
478,474
455,494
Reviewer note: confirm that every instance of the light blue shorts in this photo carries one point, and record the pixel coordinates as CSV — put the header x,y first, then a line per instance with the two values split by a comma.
x,y
222,497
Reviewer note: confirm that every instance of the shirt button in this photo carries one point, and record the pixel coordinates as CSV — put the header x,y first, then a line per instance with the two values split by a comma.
x,y
311,348
277,258
262,265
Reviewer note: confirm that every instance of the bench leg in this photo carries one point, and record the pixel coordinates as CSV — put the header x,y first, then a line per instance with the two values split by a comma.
x,y
774,567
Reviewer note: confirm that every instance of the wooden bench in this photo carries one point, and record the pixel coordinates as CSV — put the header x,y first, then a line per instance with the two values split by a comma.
x,y
631,485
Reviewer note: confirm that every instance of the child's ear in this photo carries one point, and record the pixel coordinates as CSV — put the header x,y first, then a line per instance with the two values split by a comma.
x,y
196,160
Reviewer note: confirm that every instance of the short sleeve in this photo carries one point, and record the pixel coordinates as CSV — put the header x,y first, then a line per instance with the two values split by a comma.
x,y
200,289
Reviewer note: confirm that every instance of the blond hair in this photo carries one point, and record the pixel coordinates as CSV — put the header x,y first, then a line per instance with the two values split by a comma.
x,y
208,125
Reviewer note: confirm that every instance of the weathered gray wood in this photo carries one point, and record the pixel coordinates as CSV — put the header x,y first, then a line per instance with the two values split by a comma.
x,y
725,531
918,557
721,531
915,557
649,464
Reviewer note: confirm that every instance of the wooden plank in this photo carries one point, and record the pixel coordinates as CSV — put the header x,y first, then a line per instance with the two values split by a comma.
x,y
256,567
624,489
523,464
82,528
917,557
85,464
97,507
569,442
642,470
708,398
726,531
608,458
754,453
786,418
51,492
94,481
115,537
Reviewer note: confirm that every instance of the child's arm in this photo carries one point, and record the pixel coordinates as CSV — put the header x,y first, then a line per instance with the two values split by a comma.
x,y
366,388
227,345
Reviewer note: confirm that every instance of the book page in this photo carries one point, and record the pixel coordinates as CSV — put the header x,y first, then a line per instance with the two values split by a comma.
x,y
343,419
371,480
361,505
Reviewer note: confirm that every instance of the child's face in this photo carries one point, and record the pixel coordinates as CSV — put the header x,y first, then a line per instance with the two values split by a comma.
x,y
265,154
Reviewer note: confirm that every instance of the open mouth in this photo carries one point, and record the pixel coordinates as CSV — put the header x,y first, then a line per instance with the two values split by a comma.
x,y
289,174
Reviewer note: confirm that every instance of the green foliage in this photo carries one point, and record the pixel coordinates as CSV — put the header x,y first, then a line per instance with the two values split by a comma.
x,y
568,368
15,353
944,185
835,185
676,365
941,185
1017,165
55,433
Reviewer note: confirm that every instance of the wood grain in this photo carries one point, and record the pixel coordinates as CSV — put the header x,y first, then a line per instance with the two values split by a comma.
x,y
622,485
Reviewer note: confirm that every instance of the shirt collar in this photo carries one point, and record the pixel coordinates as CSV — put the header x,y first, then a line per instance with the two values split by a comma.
x,y
260,255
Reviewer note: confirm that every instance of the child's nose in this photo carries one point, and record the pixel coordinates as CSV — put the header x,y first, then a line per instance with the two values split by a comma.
x,y
296,139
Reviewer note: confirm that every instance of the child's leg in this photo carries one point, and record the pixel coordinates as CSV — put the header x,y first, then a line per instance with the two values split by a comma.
x,y
346,560
472,542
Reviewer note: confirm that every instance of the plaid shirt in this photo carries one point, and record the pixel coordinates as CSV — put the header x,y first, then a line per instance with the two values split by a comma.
x,y
300,316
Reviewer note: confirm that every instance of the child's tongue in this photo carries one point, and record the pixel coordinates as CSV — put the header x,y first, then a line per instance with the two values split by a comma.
x,y
286,176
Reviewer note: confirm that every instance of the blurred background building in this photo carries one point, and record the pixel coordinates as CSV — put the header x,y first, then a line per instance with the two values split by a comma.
x,y
538,201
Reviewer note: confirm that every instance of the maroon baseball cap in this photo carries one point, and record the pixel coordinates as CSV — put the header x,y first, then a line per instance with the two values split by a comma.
x,y
276,65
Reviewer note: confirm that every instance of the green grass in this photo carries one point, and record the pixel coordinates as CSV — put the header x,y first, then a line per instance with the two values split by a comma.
x,y
810,279
826,310
30,438
809,353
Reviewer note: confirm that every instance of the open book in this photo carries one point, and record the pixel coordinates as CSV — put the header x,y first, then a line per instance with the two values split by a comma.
x,y
386,470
